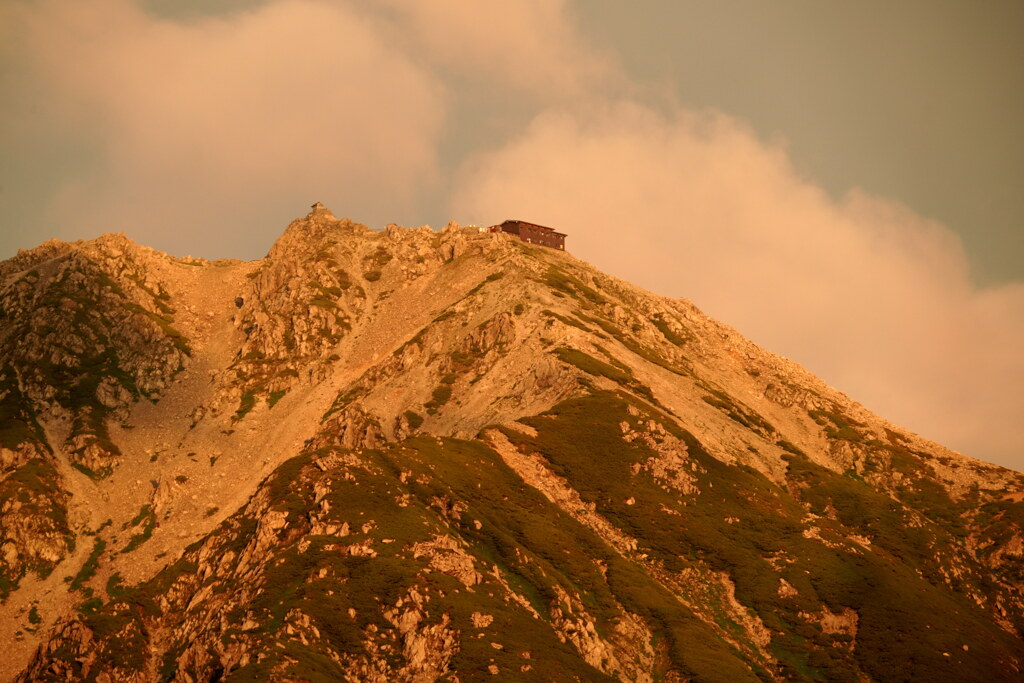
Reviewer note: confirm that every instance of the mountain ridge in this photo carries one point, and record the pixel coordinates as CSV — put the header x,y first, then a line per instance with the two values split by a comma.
x,y
350,354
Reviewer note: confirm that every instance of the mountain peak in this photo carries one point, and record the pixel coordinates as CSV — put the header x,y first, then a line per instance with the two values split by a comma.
x,y
409,453
318,226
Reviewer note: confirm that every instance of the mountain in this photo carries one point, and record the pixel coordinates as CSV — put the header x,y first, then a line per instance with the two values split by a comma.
x,y
414,455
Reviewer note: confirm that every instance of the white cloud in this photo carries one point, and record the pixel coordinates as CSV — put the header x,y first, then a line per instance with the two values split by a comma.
x,y
209,134
204,127
527,45
862,291
206,135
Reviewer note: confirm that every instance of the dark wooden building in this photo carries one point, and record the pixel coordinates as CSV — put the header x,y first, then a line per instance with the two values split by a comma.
x,y
532,233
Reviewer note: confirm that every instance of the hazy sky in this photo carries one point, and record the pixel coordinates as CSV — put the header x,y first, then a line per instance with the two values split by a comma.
x,y
839,181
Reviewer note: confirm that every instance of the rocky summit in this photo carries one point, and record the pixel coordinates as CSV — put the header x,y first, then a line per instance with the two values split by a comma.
x,y
413,455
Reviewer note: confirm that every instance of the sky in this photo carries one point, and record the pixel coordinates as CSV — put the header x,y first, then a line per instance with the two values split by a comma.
x,y
840,182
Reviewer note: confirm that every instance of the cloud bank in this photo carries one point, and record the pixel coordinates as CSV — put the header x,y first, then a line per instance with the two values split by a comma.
x,y
207,135
862,291
204,127
528,46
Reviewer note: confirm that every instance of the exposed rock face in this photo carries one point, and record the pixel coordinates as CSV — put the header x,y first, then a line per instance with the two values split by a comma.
x,y
301,302
414,455
85,331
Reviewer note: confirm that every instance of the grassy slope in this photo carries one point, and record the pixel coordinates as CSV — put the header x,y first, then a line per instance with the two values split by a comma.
x,y
907,622
908,619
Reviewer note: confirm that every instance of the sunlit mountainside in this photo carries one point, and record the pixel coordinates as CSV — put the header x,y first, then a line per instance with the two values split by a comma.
x,y
414,455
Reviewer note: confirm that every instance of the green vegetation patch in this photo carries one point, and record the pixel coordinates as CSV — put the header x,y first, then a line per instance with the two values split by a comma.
x,y
331,292
671,335
618,373
560,281
737,412
121,640
77,379
493,277
166,324
441,395
32,494
380,257
115,586
593,366
246,404
322,302
837,426
89,567
18,423
633,345
567,320
581,442
343,400
147,518
78,387
539,547
446,315
909,616
414,419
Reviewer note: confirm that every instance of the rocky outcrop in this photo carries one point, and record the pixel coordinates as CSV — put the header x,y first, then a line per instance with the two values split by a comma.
x,y
34,530
265,593
89,329
86,329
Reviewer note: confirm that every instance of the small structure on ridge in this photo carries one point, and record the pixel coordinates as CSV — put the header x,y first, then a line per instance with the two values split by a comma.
x,y
532,233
